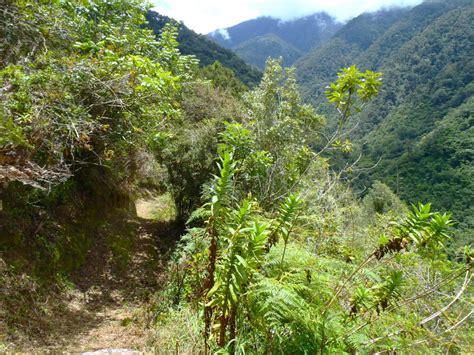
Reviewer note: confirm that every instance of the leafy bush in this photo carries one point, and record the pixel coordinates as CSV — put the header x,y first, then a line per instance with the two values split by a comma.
x,y
80,97
380,199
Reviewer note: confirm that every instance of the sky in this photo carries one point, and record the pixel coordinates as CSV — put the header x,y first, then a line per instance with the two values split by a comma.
x,y
204,16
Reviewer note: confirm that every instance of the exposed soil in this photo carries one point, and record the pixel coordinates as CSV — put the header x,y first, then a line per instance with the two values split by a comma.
x,y
107,307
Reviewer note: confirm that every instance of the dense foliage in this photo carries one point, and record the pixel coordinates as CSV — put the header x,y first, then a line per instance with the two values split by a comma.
x,y
89,89
279,254
273,273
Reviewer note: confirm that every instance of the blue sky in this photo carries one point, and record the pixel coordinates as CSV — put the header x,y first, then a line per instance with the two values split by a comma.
x,y
204,16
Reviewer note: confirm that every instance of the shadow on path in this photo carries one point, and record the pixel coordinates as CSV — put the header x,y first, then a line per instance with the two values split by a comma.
x,y
107,307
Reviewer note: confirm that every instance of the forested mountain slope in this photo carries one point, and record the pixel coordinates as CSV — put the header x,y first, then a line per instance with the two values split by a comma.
x,y
426,55
256,40
207,51
257,50
316,69
441,162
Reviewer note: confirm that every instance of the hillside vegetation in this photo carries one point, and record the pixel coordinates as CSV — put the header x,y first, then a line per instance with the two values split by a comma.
x,y
257,50
426,56
207,51
153,204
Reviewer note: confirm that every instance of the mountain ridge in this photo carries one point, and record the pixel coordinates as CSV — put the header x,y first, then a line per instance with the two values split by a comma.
x,y
207,51
302,34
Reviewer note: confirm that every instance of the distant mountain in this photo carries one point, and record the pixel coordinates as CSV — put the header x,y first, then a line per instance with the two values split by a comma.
x,y
205,50
267,44
421,123
264,37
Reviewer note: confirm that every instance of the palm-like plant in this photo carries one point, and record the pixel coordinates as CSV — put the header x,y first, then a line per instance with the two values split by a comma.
x,y
238,242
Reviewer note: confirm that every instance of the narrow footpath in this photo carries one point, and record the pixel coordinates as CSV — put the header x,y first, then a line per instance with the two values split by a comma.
x,y
107,310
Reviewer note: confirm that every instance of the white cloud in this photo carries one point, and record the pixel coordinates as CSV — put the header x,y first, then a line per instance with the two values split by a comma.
x,y
204,16
224,33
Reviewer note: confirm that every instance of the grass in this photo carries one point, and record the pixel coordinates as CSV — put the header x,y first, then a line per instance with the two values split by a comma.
x,y
178,331
165,210
160,208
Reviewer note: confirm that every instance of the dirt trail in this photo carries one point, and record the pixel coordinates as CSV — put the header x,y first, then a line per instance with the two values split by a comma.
x,y
110,326
107,308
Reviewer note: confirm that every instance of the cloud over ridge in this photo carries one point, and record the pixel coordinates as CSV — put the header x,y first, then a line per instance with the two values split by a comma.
x,y
207,15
